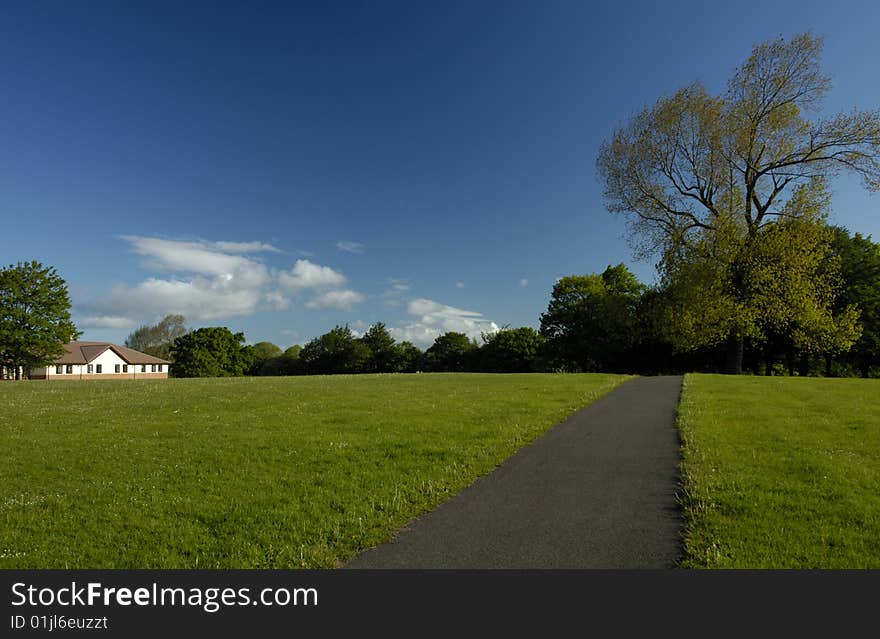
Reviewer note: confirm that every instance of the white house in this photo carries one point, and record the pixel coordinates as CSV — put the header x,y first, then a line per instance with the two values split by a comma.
x,y
102,360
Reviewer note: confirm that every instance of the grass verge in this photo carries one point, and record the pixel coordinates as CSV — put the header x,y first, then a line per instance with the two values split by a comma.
x,y
252,472
781,472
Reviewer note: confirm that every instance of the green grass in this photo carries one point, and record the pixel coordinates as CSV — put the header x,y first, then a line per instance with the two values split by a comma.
x,y
251,472
781,472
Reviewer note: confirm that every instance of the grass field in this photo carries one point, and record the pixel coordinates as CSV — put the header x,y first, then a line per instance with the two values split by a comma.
x,y
781,472
251,472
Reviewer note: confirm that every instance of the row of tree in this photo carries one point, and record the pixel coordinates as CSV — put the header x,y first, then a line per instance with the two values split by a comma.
x,y
611,322
217,352
600,322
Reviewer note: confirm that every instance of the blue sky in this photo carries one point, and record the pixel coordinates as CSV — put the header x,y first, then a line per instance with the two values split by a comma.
x,y
282,169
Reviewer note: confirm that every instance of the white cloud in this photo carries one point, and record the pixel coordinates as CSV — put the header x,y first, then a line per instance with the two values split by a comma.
x,y
210,280
350,247
277,300
207,280
245,247
434,318
106,321
305,274
523,282
198,298
459,285
204,258
341,299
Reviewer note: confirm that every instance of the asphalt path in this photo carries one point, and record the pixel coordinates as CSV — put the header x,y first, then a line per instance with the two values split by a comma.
x,y
596,491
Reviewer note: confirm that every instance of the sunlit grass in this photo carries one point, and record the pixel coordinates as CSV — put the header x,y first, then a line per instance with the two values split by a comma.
x,y
781,472
251,472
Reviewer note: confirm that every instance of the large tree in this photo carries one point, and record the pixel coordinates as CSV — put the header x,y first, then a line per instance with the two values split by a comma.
x,y
407,357
157,339
383,351
510,350
709,180
860,274
35,318
263,352
590,321
334,352
214,351
450,352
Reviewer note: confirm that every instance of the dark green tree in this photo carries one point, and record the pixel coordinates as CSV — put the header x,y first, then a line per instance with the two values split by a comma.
x,y
860,287
285,364
450,352
35,318
591,320
383,351
157,339
510,350
211,352
407,357
333,353
263,352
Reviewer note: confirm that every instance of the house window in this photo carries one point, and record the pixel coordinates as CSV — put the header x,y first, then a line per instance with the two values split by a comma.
x,y
125,368
152,368
70,369
143,368
90,369
117,368
159,367
99,368
58,369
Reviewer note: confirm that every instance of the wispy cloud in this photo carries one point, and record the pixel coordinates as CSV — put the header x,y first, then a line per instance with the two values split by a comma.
x,y
433,319
341,299
106,321
209,280
347,246
459,285
523,282
245,247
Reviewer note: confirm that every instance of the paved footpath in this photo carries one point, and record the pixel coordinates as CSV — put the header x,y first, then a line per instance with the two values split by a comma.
x,y
596,491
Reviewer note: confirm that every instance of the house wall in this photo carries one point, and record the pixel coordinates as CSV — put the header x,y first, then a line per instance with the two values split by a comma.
x,y
108,361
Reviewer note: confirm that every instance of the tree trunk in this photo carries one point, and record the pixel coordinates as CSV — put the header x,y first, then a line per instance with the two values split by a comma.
x,y
828,365
789,362
804,366
733,361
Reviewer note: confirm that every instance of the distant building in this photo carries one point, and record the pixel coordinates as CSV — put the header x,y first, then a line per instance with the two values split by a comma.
x,y
102,360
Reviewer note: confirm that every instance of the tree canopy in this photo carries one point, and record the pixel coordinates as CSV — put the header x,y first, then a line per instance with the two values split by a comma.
x,y
383,351
450,353
334,352
214,351
510,350
158,339
860,287
591,319
717,184
35,319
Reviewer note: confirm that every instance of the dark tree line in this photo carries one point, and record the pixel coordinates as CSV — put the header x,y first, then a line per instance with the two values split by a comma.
x,y
606,322
611,322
